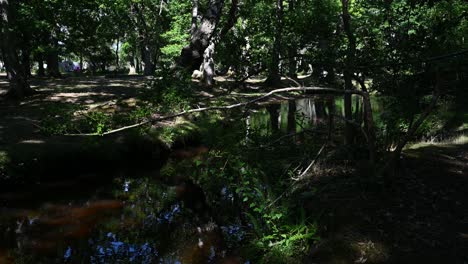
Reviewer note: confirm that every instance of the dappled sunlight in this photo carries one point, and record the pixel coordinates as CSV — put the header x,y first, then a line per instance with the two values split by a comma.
x,y
458,140
233,132
32,141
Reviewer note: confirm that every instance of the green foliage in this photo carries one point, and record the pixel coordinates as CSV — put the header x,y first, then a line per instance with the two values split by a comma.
x,y
99,122
59,119
278,232
177,35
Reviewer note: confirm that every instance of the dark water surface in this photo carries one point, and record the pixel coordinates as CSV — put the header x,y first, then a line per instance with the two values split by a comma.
x,y
143,217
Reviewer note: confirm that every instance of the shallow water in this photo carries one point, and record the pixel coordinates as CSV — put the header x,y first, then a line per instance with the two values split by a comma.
x,y
144,217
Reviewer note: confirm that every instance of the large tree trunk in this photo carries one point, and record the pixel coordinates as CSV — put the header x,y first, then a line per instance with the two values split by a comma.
x,y
147,53
147,58
191,56
194,26
292,49
19,86
274,77
52,60
26,61
349,129
273,110
208,65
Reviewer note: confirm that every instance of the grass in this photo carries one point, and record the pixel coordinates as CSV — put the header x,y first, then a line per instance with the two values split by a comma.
x,y
459,140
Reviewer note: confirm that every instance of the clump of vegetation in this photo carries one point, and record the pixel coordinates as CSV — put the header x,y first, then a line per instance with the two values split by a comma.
x,y
4,162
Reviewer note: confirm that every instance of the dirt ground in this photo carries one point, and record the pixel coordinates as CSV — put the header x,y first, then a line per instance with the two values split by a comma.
x,y
17,122
423,218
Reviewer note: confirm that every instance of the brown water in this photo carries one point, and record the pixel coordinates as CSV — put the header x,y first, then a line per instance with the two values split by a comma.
x,y
139,220
137,217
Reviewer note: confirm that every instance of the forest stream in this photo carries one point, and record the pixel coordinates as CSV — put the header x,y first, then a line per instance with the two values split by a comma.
x,y
153,216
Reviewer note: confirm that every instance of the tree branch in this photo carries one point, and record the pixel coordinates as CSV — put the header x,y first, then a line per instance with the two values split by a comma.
x,y
228,107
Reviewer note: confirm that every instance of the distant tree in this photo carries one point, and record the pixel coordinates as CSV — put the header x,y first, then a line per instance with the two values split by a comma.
x,y
17,77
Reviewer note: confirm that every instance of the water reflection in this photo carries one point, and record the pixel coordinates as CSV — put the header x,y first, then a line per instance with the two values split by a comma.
x,y
149,218
294,115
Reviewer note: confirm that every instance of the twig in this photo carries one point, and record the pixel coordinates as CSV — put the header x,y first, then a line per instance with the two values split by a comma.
x,y
312,163
296,179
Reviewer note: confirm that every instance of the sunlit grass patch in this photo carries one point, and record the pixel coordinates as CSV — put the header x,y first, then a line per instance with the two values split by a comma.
x,y
459,140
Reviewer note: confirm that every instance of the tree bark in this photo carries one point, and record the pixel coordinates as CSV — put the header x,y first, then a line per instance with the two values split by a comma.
x,y
26,61
137,65
191,56
146,48
147,60
81,63
331,116
117,59
53,63
19,87
349,129
273,110
208,65
274,77
292,116
292,50
40,65
194,26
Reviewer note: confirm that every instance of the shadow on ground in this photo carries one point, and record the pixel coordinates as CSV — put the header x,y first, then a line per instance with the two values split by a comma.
x,y
423,219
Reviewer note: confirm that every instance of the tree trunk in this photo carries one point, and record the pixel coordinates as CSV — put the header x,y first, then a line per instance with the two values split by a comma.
x,y
40,65
137,65
53,64
273,110
147,60
19,86
194,26
274,77
81,63
208,65
191,56
144,41
292,50
292,116
26,61
117,59
349,129
331,116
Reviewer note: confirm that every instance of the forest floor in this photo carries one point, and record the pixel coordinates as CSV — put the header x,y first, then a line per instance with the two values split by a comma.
x,y
19,120
422,219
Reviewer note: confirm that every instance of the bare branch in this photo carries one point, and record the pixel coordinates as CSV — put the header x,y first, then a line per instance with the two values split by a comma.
x,y
228,107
